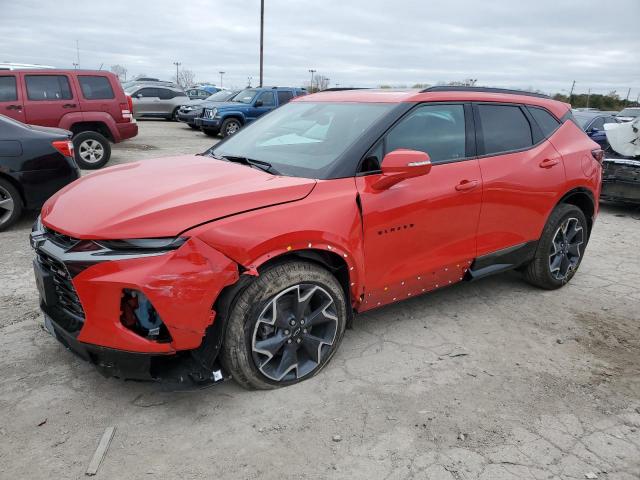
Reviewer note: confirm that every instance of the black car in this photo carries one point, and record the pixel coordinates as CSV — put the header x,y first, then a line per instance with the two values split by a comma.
x,y
189,113
35,162
593,124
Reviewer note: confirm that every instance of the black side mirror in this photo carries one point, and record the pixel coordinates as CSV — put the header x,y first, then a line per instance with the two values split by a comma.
x,y
259,103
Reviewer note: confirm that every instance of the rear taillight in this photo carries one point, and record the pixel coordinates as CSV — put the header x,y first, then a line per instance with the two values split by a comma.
x,y
65,147
127,109
598,155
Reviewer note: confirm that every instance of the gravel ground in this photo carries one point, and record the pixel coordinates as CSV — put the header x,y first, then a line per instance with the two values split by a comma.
x,y
491,380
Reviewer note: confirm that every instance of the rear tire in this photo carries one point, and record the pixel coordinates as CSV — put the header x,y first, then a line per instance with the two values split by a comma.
x,y
560,249
93,150
10,204
298,310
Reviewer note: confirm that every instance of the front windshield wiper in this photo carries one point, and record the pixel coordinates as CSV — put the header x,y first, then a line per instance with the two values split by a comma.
x,y
252,162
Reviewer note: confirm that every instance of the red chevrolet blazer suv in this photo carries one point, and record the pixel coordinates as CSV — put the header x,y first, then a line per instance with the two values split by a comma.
x,y
249,260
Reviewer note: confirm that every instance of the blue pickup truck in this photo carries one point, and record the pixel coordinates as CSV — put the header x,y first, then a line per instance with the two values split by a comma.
x,y
229,117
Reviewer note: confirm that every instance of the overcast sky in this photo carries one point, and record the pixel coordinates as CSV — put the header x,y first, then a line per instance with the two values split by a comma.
x,y
544,44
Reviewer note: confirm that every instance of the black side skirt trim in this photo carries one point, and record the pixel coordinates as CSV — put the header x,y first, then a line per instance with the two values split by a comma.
x,y
502,260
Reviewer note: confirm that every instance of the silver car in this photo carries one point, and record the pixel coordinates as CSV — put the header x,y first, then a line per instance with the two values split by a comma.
x,y
156,101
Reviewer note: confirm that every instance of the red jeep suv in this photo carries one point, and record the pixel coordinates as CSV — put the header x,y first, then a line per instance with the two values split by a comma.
x,y
250,259
89,103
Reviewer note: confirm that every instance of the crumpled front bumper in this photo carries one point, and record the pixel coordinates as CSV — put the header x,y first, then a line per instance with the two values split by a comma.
x,y
182,285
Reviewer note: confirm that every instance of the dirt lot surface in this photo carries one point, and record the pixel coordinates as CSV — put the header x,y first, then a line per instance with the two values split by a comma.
x,y
491,380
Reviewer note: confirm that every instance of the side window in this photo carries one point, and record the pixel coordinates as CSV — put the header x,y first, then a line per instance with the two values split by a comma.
x,y
95,87
148,92
8,89
438,130
267,99
547,122
504,128
284,96
48,87
610,120
165,93
597,124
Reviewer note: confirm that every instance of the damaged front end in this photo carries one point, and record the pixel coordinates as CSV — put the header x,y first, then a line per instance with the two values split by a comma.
x,y
136,309
621,180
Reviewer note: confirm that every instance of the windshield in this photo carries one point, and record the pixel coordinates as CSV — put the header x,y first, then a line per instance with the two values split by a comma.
x,y
221,96
630,112
245,96
303,139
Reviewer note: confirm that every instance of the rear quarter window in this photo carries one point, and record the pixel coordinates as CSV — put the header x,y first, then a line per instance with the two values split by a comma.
x,y
95,87
547,122
505,128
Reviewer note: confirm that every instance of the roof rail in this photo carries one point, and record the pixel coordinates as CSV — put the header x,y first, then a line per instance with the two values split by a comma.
x,y
452,88
340,89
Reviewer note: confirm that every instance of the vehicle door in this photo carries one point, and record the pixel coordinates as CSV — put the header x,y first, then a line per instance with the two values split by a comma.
x,y
146,101
264,102
97,94
166,102
420,233
49,98
521,178
11,101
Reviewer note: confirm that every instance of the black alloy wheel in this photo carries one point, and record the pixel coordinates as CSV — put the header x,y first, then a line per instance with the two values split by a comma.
x,y
566,249
294,332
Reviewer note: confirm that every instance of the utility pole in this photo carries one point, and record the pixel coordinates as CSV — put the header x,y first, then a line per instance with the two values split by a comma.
x,y
261,41
221,74
77,54
249,78
312,71
177,64
571,93
626,100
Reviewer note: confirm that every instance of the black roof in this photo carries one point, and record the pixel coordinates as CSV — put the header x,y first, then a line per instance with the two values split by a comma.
x,y
444,88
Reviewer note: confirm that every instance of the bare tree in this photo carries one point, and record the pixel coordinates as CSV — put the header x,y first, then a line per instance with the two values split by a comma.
x,y
186,78
322,82
120,71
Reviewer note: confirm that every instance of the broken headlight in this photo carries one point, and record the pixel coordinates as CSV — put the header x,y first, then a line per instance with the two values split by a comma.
x,y
144,244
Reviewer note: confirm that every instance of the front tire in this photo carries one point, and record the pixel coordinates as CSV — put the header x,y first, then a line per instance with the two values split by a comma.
x,y
560,249
285,326
193,126
10,204
230,126
93,150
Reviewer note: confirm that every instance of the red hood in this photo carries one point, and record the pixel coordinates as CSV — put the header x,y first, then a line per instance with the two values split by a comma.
x,y
163,197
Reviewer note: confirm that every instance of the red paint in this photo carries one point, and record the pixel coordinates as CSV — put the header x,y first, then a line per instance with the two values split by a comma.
x,y
397,238
163,197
